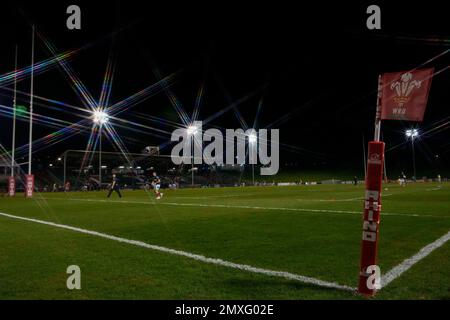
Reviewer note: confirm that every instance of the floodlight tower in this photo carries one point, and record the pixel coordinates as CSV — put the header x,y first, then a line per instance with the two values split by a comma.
x,y
100,117
252,140
191,131
412,134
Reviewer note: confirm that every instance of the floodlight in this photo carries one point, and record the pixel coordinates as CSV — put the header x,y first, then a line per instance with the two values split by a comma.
x,y
252,138
100,117
192,130
412,133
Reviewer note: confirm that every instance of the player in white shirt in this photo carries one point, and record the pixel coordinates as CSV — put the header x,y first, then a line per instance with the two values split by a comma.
x,y
156,186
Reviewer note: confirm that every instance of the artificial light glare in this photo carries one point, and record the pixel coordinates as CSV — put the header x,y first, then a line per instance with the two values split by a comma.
x,y
412,133
252,138
191,130
100,117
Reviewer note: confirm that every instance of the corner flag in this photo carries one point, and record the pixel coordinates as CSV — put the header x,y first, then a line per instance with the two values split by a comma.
x,y
405,94
401,96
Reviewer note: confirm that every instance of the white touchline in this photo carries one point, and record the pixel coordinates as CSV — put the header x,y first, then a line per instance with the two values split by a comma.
x,y
434,189
247,207
398,270
197,257
331,200
218,196
276,208
339,200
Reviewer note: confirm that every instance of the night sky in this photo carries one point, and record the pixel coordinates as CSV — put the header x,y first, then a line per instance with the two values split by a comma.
x,y
314,69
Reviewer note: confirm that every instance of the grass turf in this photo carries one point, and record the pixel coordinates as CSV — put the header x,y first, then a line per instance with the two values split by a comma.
x,y
233,224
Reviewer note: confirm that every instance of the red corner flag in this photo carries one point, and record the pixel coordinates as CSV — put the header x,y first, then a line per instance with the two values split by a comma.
x,y
405,94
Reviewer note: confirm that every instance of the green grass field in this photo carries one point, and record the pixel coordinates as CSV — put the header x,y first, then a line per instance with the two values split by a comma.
x,y
312,231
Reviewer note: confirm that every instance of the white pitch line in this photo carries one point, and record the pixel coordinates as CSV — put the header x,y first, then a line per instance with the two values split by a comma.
x,y
197,257
256,207
326,211
219,196
398,270
341,200
331,200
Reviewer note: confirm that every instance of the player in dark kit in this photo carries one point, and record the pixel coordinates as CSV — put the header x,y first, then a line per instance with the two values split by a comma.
x,y
115,186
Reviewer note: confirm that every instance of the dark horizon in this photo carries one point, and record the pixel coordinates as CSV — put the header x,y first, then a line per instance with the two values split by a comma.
x,y
313,69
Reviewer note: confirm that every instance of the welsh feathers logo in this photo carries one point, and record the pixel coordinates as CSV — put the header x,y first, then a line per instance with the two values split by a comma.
x,y
374,158
404,88
404,94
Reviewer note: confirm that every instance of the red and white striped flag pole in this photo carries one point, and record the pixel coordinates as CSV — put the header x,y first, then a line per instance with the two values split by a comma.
x,y
401,96
369,273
